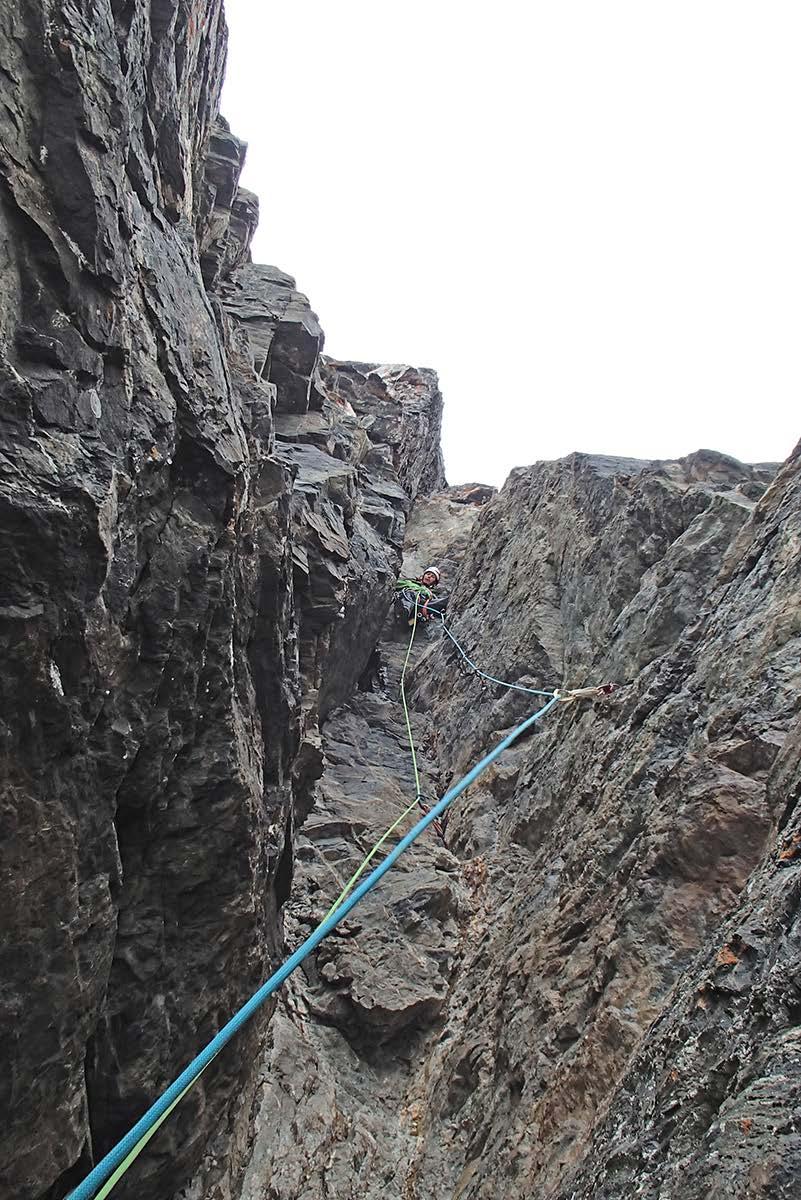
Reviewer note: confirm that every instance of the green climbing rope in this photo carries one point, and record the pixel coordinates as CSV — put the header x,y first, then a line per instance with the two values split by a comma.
x,y
364,864
106,1173
407,718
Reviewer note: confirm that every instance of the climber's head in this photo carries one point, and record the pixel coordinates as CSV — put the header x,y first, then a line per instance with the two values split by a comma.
x,y
431,576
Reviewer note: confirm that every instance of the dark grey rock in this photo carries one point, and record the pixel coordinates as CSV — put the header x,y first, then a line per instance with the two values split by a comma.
x,y
593,991
596,861
164,653
284,334
707,1106
229,214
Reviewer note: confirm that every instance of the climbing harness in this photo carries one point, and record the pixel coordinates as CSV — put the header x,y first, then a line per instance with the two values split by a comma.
x,y
102,1178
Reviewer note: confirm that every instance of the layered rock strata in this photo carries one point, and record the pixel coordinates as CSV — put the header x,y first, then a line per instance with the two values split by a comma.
x,y
182,594
592,991
591,962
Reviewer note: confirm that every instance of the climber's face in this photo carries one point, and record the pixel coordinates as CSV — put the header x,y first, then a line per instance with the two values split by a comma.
x,y
429,579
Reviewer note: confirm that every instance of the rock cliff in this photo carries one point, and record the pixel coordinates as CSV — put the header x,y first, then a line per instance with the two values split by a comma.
x,y
201,523
576,962
592,990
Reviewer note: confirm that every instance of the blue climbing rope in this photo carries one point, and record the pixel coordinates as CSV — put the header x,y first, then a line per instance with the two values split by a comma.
x,y
517,687
88,1189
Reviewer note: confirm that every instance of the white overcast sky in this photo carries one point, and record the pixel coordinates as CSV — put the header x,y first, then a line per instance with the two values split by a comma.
x,y
584,214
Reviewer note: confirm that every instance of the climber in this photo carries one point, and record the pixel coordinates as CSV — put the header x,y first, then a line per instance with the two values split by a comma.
x,y
421,591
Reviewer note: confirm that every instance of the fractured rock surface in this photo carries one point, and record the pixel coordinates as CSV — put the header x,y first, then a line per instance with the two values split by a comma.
x,y
181,596
592,992
600,863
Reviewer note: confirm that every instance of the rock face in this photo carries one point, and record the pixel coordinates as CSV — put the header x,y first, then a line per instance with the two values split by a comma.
x,y
576,963
709,1104
619,839
181,596
592,991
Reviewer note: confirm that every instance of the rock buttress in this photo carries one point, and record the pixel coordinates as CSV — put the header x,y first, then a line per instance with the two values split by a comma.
x,y
709,1105
466,1032
178,593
